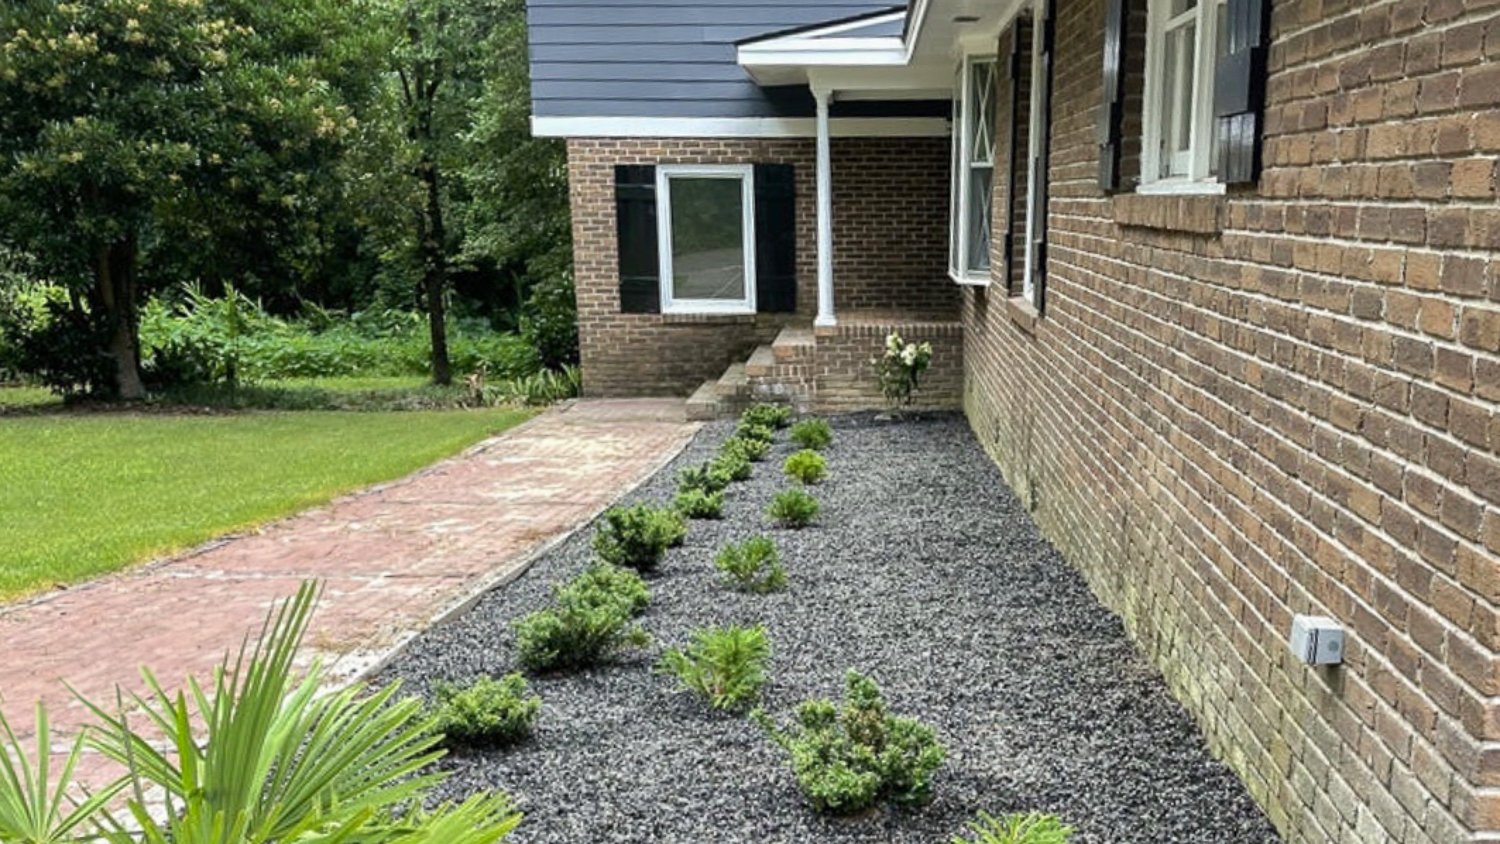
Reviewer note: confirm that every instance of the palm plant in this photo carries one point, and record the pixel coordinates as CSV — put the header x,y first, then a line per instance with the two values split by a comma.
x,y
32,809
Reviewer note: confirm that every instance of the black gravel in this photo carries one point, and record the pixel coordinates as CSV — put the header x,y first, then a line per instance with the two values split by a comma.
x,y
922,571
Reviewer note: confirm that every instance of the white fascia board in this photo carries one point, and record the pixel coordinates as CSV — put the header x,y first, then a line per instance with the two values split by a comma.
x,y
826,52
736,127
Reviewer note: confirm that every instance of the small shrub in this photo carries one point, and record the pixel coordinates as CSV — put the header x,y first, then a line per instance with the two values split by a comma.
x,y
725,667
793,508
1031,828
637,537
806,466
851,757
772,416
487,713
733,465
704,478
606,585
753,450
812,433
697,504
756,431
753,566
590,620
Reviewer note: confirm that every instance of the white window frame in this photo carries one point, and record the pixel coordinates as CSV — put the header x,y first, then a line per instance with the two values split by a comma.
x,y
1039,125
1198,160
961,183
745,173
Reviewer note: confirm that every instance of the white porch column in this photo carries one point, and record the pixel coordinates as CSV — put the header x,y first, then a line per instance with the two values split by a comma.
x,y
825,213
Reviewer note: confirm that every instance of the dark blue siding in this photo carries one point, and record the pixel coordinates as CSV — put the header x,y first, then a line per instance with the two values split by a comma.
x,y
665,58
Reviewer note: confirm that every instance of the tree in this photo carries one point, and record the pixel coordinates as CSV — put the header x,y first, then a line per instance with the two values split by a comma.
x,y
133,126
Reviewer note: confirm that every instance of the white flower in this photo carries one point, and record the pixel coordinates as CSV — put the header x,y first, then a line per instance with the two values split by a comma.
x,y
909,355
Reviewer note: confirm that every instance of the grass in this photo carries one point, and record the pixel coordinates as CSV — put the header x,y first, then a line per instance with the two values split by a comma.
x,y
27,398
87,494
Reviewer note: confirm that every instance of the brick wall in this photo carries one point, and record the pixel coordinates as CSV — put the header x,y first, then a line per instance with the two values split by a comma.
x,y
882,202
1284,401
844,375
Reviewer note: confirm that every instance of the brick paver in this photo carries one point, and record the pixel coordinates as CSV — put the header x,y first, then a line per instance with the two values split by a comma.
x,y
393,559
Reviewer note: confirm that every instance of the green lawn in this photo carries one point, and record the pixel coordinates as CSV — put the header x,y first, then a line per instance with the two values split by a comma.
x,y
85,494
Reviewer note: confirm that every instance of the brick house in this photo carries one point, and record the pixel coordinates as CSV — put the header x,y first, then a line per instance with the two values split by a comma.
x,y
1217,283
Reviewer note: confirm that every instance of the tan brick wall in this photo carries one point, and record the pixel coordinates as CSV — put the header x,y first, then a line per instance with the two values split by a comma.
x,y
1284,401
844,374
889,193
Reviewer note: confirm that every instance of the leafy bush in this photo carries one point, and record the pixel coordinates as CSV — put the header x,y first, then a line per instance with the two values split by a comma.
x,y
753,566
768,415
264,749
755,431
851,757
61,350
697,504
725,667
543,387
733,465
549,322
487,713
752,449
793,508
589,621
806,466
812,433
707,477
638,536
1032,828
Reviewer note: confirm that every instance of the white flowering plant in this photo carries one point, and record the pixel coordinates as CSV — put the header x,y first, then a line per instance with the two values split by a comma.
x,y
900,367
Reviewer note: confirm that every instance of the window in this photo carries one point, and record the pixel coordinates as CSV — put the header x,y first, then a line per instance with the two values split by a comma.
x,y
706,238
1187,39
973,172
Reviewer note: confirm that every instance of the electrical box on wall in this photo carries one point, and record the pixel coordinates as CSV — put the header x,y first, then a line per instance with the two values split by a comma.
x,y
1317,640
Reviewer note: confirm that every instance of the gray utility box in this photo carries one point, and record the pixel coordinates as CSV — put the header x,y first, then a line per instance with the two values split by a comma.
x,y
1317,640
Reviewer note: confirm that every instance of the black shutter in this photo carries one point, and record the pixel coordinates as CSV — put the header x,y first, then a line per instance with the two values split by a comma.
x,y
635,216
1112,110
775,238
1240,90
1044,155
1012,157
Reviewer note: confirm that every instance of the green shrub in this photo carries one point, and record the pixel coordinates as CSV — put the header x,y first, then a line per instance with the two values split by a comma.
x,y
606,585
752,449
753,566
770,415
546,386
549,322
755,431
733,465
725,667
590,620
707,477
793,508
487,713
1031,828
851,757
638,536
697,504
806,466
812,433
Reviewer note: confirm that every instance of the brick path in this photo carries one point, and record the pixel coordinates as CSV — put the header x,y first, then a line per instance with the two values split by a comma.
x,y
393,558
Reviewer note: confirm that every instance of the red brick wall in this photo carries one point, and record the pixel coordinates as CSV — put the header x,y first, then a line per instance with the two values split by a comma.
x,y
1284,401
889,193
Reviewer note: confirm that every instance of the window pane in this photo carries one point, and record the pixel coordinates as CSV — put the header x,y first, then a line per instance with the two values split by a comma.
x,y
981,184
708,231
1178,55
1177,7
982,112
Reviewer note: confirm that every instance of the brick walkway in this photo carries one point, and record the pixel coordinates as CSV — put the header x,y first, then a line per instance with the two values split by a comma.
x,y
393,558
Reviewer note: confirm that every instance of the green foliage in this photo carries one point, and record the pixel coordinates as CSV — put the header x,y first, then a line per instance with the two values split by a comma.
x,y
755,431
277,760
851,757
806,466
774,416
35,809
812,433
486,713
725,666
754,450
899,368
731,464
544,387
708,477
697,504
1030,828
638,536
550,321
793,508
753,566
589,621
61,351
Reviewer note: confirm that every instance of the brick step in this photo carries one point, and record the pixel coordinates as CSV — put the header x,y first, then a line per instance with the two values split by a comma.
x,y
734,383
703,404
794,343
762,362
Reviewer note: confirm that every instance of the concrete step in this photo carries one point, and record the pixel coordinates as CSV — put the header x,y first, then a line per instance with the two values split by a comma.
x,y
703,404
762,362
793,343
734,383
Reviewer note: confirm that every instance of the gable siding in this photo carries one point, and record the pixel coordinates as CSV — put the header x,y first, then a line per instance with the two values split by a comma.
x,y
664,58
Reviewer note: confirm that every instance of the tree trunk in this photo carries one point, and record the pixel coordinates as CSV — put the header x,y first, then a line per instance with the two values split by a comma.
x,y
114,280
435,271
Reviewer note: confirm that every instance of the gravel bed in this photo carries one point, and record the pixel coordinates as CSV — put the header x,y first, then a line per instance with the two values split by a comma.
x,y
922,571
